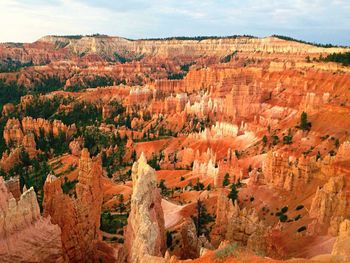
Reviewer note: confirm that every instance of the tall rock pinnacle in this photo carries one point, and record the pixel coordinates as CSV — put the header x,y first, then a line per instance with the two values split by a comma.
x,y
145,234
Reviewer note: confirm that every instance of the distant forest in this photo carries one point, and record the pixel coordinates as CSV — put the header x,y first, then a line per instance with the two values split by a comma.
x,y
305,42
81,36
343,58
199,38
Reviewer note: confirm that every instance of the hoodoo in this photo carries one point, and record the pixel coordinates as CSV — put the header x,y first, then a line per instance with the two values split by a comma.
x,y
145,233
80,221
184,149
25,236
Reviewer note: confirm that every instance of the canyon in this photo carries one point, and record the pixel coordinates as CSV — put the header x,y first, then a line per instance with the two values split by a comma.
x,y
229,149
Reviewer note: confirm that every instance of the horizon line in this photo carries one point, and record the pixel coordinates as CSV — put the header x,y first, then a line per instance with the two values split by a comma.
x,y
198,37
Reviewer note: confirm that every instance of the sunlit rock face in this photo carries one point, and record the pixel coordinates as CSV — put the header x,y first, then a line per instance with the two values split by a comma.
x,y
80,221
329,205
238,225
285,173
341,248
25,236
51,48
145,234
13,131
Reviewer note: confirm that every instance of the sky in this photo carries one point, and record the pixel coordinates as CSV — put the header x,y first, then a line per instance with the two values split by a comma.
x,y
321,21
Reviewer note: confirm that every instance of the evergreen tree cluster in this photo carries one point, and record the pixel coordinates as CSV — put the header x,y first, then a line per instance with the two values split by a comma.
x,y
342,58
202,219
10,92
305,42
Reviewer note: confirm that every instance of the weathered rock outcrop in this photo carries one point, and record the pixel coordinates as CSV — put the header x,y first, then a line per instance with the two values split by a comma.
x,y
13,132
204,164
228,94
8,160
217,131
287,173
313,102
245,99
139,95
55,48
239,225
21,134
35,125
329,203
185,242
24,235
205,169
76,146
29,145
78,214
341,248
189,240
343,151
13,186
7,109
145,234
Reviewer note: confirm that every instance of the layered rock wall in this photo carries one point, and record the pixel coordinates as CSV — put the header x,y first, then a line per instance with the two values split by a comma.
x,y
173,47
284,172
239,225
80,221
330,202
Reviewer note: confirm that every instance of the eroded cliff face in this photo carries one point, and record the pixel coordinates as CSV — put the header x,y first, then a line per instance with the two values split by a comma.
x,y
186,244
284,172
16,130
329,206
13,132
105,46
25,236
145,234
21,135
48,52
341,248
8,160
55,127
80,221
239,225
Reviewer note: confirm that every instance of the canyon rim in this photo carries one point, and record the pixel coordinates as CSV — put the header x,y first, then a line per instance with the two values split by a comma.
x,y
175,149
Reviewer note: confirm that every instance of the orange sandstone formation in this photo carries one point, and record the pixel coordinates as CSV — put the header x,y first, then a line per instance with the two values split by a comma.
x,y
239,225
341,249
145,234
329,203
81,220
24,235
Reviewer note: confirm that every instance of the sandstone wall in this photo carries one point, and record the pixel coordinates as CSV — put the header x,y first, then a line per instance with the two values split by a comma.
x,y
285,172
341,248
78,214
329,205
239,225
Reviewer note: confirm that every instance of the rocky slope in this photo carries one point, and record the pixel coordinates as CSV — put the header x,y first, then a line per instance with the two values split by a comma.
x,y
25,236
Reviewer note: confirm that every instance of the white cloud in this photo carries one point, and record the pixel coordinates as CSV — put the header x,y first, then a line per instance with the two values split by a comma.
x,y
312,20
